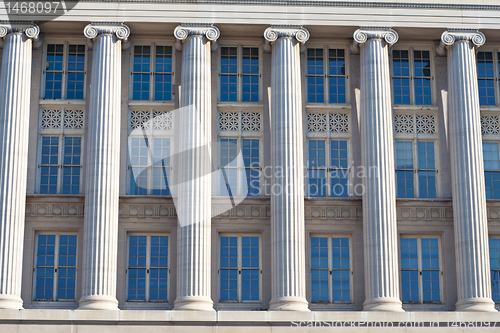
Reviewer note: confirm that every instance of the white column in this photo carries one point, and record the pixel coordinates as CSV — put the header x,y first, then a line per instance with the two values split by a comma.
x,y
15,81
467,172
379,196
100,234
287,195
193,168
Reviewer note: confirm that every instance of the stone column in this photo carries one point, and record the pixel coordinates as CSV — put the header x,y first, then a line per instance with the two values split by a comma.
x,y
287,188
467,172
15,81
379,196
193,168
102,142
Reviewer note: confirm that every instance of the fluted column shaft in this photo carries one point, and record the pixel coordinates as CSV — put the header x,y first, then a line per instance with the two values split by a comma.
x,y
15,81
467,172
379,197
287,195
100,235
193,136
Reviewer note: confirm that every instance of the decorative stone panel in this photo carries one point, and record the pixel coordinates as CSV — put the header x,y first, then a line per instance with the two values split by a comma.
x,y
339,122
250,121
51,119
229,121
489,125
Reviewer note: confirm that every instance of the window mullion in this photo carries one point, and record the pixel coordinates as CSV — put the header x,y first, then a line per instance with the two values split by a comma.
x,y
415,168
56,264
64,82
411,59
239,73
420,282
148,266
60,160
326,59
152,70
330,269
239,268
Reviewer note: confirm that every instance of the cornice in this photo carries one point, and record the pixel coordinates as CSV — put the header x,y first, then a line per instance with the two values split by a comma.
x,y
319,3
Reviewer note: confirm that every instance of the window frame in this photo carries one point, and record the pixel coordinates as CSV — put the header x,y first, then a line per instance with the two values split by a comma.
x,y
54,300
239,260
150,134
411,48
496,75
415,138
328,136
329,237
148,267
326,73
420,269
61,133
64,87
152,43
239,135
239,74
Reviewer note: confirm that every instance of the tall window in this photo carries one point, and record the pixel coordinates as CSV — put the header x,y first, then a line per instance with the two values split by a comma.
x,y
239,74
330,269
411,77
152,73
239,268
420,269
60,151
326,72
491,169
55,267
415,149
488,73
239,153
149,149
147,272
495,268
64,71
328,154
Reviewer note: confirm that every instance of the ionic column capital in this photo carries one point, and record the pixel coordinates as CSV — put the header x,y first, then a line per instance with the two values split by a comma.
x,y
286,31
118,29
451,35
30,29
207,30
365,33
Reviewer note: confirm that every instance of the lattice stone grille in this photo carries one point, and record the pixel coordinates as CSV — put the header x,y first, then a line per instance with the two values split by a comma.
x,y
51,119
250,121
73,119
339,122
162,120
140,119
403,123
229,121
426,124
316,122
489,125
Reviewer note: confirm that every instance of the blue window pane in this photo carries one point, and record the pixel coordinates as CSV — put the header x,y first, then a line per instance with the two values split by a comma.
x,y
341,269
492,169
401,76
49,165
337,78
44,285
141,73
404,169
76,72
137,268
159,268
161,166
54,71
430,270
138,155
67,267
251,159
494,245
319,269
229,268
250,74
422,79
317,168
228,164
315,76
486,78
229,74
339,172
163,73
409,269
426,161
71,165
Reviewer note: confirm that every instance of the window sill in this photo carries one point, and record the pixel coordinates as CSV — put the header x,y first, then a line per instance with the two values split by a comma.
x,y
331,306
340,106
62,102
240,104
425,307
143,305
407,107
53,305
151,103
245,306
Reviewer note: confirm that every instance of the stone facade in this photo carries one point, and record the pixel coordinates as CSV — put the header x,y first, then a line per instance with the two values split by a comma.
x,y
282,121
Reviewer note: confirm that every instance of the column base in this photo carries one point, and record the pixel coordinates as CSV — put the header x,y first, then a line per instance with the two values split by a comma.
x,y
98,302
194,303
10,302
481,304
389,304
289,303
